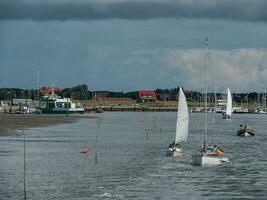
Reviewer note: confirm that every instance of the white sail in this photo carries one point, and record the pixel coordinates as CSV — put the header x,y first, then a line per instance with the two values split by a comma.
x,y
182,119
229,103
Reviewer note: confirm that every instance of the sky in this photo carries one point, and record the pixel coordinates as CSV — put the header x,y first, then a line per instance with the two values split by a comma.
x,y
127,45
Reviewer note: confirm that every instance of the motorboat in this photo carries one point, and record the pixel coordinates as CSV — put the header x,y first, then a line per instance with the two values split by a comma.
x,y
245,131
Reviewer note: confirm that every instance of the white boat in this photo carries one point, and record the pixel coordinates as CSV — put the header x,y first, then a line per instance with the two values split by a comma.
x,y
240,110
219,110
209,155
221,106
228,113
182,124
260,111
54,104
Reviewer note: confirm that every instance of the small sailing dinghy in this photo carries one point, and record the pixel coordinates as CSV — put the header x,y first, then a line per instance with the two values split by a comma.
x,y
245,131
211,154
228,113
182,124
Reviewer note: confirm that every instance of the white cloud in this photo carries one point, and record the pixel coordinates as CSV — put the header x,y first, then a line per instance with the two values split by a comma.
x,y
240,69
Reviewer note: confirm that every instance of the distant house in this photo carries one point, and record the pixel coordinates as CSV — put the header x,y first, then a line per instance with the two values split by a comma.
x,y
99,95
163,96
48,90
147,96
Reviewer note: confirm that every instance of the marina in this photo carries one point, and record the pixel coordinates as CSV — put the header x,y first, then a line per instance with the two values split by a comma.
x,y
133,100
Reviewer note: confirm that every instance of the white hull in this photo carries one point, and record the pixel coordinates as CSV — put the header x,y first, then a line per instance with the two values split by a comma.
x,y
176,152
246,134
205,160
69,109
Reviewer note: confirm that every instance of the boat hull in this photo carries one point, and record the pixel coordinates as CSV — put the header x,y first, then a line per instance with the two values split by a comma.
x,y
62,111
175,153
226,116
245,133
205,160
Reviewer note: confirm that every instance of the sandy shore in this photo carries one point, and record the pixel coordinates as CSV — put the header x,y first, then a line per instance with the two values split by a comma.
x,y
9,122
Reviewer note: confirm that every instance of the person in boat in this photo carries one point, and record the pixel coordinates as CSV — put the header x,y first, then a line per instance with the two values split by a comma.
x,y
243,126
171,145
213,149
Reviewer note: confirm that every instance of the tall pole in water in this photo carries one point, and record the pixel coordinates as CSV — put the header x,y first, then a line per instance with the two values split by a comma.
x,y
206,97
24,156
38,87
96,140
265,99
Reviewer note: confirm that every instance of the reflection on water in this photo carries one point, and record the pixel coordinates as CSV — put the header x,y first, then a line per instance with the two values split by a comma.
x,y
131,162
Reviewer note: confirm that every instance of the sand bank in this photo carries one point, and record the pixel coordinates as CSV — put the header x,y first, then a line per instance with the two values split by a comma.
x,y
9,122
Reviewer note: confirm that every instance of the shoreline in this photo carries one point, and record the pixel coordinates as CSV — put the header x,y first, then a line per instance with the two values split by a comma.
x,y
11,122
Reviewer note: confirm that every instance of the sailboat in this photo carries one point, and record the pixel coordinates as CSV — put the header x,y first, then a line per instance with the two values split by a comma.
x,y
259,110
228,113
182,124
209,154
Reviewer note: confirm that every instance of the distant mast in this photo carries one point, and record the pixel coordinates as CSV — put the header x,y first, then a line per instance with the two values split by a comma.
x,y
258,100
265,99
215,97
38,89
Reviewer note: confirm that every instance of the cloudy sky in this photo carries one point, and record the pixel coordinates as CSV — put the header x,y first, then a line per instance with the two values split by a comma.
x,y
133,44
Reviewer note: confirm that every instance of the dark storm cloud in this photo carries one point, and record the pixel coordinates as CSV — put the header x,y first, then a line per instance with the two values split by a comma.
x,y
242,10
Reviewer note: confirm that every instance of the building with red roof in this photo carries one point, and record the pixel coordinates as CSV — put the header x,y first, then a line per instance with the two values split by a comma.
x,y
48,90
147,96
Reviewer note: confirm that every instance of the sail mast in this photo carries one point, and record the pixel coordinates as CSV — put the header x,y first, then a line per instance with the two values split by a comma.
x,y
215,97
38,87
206,95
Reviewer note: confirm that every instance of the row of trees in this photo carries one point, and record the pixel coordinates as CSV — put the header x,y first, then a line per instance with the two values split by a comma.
x,y
81,92
16,93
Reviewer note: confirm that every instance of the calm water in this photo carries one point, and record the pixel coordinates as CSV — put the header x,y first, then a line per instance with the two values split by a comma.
x,y
131,162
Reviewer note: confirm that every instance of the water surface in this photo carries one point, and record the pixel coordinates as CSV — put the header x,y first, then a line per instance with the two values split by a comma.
x,y
132,161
